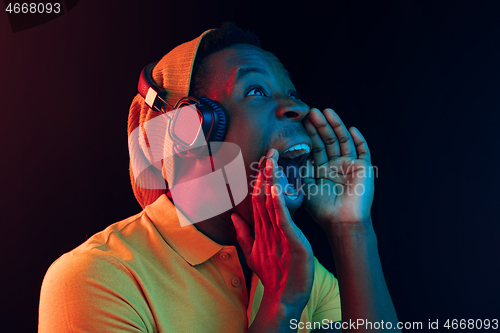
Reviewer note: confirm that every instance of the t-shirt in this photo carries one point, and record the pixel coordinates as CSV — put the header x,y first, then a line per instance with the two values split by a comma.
x,y
149,274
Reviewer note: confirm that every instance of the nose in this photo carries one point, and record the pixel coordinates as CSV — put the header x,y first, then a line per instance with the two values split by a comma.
x,y
290,108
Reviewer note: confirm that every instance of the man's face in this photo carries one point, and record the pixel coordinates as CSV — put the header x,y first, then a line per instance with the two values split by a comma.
x,y
263,110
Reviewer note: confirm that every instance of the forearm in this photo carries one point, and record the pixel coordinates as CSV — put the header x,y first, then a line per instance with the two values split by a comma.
x,y
363,289
274,316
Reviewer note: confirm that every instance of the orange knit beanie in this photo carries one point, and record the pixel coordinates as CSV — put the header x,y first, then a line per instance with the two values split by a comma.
x,y
173,73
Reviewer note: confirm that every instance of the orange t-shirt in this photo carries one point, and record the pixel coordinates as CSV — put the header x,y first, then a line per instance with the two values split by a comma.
x,y
149,274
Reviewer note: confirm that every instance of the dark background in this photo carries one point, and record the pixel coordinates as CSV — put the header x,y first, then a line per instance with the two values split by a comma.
x,y
420,79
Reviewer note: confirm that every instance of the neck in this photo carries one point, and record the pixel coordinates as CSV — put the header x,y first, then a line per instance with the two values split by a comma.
x,y
219,228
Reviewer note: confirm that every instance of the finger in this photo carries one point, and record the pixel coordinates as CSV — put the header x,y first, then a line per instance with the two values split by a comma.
x,y
334,174
259,205
255,201
318,148
268,171
244,234
361,146
271,179
307,176
307,171
272,167
283,218
307,184
327,134
344,137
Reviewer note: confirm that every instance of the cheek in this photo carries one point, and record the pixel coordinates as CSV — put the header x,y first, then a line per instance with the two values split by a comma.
x,y
251,129
248,132
252,142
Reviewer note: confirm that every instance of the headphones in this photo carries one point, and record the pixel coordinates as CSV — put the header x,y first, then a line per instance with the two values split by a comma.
x,y
182,130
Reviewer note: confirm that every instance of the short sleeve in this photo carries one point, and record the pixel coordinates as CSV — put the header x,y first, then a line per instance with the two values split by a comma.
x,y
90,291
324,303
327,295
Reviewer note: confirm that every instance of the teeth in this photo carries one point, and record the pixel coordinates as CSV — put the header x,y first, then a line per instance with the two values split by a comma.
x,y
298,147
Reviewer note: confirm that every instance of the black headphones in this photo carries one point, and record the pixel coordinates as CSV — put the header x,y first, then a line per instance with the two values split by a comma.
x,y
212,119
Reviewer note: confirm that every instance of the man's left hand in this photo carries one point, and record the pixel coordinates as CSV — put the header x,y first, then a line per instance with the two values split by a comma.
x,y
342,186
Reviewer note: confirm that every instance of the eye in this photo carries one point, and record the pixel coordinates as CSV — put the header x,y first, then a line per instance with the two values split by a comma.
x,y
294,94
256,91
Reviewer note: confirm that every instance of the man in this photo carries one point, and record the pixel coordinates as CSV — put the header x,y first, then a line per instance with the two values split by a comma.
x,y
249,268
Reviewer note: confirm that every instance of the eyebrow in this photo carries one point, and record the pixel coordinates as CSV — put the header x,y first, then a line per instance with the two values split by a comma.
x,y
244,71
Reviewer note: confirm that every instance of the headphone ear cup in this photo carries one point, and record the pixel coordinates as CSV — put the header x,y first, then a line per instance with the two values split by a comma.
x,y
220,121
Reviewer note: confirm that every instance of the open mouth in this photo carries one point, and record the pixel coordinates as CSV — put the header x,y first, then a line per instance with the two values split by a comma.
x,y
291,162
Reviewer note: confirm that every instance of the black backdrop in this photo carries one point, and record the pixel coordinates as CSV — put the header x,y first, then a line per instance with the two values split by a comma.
x,y
420,79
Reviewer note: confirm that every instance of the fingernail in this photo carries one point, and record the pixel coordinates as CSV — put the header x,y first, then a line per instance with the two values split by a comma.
x,y
270,153
261,162
268,163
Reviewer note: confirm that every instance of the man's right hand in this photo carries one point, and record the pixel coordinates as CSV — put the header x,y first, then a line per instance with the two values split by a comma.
x,y
277,251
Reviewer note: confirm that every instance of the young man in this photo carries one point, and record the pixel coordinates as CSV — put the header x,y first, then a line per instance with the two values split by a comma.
x,y
248,268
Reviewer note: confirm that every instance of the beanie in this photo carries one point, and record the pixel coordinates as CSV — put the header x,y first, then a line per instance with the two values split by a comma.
x,y
173,73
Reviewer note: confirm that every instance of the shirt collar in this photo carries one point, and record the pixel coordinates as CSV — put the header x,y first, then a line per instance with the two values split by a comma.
x,y
187,241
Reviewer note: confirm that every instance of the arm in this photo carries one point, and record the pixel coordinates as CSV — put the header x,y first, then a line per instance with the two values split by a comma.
x,y
278,252
339,197
359,272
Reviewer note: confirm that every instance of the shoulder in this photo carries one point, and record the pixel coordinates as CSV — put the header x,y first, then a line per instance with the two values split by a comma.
x,y
101,255
85,283
82,265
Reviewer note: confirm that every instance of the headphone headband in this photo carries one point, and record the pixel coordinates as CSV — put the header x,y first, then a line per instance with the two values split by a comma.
x,y
154,96
211,115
